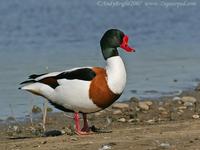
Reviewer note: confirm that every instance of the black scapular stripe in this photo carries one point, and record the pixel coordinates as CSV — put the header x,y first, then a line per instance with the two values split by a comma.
x,y
86,74
34,76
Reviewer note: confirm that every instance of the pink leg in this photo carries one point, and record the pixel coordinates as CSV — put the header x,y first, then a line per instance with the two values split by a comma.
x,y
85,125
77,122
77,125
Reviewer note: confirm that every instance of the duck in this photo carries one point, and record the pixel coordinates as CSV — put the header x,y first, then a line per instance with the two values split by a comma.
x,y
85,90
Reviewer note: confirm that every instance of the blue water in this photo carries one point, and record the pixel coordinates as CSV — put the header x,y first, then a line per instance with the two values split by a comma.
x,y
49,35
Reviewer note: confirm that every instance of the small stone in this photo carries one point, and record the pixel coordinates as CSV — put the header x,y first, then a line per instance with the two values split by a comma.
x,y
190,99
73,138
120,106
160,103
182,107
97,114
165,145
43,142
164,113
161,109
151,121
143,106
62,132
117,112
149,103
121,120
188,104
105,147
133,120
195,116
180,111
15,128
176,98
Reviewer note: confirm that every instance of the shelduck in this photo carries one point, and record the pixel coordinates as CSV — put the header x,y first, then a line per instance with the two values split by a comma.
x,y
85,89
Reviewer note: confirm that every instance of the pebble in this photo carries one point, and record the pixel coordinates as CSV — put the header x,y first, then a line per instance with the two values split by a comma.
x,y
180,111
161,109
165,145
176,98
73,139
121,120
164,113
195,116
143,105
117,112
151,121
149,103
15,128
133,120
105,147
120,106
43,142
182,107
190,99
188,104
99,113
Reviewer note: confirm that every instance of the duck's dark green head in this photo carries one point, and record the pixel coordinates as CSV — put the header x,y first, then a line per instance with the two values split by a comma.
x,y
112,39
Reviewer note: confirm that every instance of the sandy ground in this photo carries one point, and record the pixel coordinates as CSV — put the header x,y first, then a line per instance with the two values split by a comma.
x,y
168,123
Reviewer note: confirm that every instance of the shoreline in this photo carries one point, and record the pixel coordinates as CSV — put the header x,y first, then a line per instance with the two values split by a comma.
x,y
143,122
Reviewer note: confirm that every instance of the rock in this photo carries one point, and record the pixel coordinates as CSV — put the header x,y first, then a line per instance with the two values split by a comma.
x,y
117,112
188,104
73,138
15,128
164,113
97,114
143,105
151,121
165,145
180,112
195,116
176,98
36,109
107,146
43,142
149,103
133,120
190,99
121,120
182,107
161,109
120,106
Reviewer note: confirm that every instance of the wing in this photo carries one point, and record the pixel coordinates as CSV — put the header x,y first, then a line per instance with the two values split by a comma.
x,y
51,79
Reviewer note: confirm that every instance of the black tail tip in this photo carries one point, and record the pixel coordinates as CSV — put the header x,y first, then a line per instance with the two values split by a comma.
x,y
20,88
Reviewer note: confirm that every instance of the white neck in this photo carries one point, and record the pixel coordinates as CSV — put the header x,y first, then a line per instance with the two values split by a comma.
x,y
116,73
